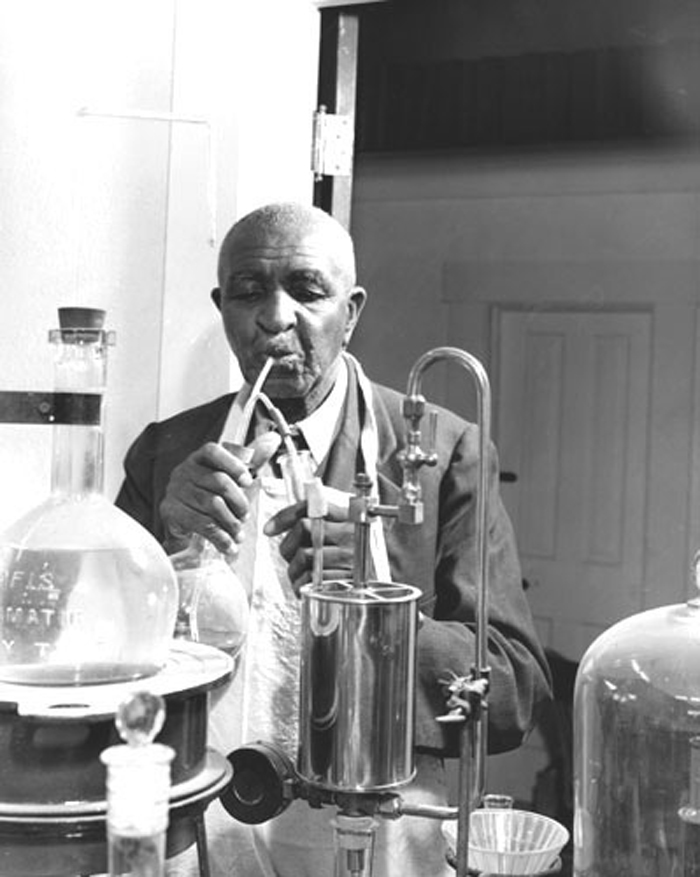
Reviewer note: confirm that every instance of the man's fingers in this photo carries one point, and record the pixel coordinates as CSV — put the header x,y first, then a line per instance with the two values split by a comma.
x,y
285,519
258,452
190,522
338,503
218,458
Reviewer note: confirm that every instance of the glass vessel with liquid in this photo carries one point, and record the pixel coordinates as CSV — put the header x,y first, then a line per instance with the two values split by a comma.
x,y
87,595
637,746
213,605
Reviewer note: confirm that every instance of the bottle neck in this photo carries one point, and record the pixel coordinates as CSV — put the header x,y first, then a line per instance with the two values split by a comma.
x,y
78,460
80,366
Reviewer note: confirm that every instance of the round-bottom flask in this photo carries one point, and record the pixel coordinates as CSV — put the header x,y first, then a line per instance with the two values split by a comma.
x,y
87,595
213,605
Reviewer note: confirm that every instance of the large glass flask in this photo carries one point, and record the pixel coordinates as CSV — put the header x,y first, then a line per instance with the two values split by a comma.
x,y
87,595
637,746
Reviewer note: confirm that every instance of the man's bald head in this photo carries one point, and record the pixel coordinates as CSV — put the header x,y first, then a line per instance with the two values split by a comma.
x,y
287,220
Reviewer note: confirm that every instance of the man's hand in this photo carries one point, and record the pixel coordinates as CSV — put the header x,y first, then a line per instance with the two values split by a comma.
x,y
206,493
295,547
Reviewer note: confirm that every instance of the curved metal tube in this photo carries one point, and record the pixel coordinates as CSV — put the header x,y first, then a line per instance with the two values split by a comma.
x,y
474,742
477,370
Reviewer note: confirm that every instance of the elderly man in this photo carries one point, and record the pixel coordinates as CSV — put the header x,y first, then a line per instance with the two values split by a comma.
x,y
288,291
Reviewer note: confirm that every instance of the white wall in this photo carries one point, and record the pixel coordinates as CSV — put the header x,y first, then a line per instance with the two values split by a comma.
x,y
120,213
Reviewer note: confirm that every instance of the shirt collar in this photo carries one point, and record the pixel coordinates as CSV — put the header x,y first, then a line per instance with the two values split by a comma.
x,y
319,428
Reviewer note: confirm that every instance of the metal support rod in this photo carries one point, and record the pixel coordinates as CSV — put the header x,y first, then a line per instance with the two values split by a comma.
x,y
200,833
365,508
361,517
474,736
469,741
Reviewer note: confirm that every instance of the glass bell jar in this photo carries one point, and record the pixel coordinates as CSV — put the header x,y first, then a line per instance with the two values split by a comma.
x,y
637,746
87,595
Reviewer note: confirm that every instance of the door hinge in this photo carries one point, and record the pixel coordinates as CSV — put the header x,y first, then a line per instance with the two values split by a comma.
x,y
332,144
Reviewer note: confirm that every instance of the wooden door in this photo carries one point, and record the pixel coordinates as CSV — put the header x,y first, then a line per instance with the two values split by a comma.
x,y
573,424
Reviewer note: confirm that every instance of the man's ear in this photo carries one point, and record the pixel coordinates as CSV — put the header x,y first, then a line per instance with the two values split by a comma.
x,y
216,297
356,301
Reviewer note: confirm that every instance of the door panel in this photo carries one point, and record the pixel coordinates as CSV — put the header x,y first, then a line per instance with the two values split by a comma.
x,y
573,412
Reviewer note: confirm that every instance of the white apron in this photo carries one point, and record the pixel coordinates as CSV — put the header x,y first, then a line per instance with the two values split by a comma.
x,y
261,703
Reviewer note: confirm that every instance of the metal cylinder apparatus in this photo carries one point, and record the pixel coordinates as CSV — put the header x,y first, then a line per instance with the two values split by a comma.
x,y
358,685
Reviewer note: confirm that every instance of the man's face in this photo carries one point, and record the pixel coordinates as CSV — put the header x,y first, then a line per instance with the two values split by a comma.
x,y
284,294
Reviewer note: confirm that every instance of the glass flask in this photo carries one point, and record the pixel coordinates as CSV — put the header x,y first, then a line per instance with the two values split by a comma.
x,y
637,746
213,604
213,607
87,594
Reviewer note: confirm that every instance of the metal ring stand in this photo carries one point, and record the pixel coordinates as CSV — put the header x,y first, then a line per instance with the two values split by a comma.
x,y
66,840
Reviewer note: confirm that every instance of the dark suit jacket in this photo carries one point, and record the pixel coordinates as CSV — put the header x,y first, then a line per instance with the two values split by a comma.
x,y
437,556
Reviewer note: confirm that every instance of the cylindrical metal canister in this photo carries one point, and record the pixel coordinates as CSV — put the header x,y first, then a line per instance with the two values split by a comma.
x,y
358,670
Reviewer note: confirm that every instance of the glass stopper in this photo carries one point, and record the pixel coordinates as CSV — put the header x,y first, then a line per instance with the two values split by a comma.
x,y
140,718
81,318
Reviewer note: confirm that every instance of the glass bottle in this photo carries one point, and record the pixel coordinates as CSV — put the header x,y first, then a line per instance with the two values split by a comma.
x,y
87,595
354,838
138,790
636,746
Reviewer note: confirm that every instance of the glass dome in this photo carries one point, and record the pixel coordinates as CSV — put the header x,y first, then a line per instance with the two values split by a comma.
x,y
87,595
637,746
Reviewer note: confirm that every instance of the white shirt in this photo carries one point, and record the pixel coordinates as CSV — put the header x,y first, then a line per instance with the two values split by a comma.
x,y
319,428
